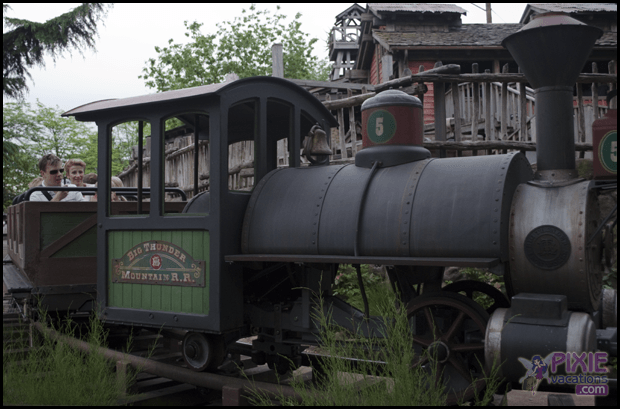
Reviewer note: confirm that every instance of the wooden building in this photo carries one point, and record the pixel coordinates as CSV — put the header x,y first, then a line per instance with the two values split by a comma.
x,y
397,39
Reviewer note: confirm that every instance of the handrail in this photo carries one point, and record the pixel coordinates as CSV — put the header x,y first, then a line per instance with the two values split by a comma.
x,y
92,190
510,90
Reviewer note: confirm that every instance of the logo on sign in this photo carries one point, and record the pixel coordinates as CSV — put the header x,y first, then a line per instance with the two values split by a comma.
x,y
158,262
547,247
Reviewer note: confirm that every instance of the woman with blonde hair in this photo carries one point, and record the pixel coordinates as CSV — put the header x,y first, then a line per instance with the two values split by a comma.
x,y
117,182
75,172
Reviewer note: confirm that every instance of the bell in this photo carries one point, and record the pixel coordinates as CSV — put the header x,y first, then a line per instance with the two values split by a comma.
x,y
317,145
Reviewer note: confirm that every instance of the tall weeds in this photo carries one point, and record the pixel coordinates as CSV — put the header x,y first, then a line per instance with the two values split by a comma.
x,y
53,373
382,373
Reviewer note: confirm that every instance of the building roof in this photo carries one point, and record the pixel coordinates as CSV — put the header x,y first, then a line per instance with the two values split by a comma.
x,y
609,39
378,8
481,35
355,9
573,7
569,8
478,35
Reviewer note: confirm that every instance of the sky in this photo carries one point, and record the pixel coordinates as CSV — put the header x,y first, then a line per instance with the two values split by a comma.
x,y
130,32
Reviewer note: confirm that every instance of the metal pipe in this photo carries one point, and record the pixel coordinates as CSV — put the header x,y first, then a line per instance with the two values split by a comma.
x,y
361,207
554,127
140,155
202,379
362,290
196,151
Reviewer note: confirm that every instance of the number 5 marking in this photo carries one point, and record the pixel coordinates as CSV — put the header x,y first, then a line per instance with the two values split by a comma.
x,y
379,129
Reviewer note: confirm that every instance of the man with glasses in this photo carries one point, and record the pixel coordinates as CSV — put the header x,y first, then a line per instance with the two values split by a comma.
x,y
51,171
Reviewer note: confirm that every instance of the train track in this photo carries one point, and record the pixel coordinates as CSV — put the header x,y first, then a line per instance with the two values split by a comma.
x,y
164,378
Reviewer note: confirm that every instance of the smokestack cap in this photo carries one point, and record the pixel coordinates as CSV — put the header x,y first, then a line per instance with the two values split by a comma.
x,y
552,40
392,97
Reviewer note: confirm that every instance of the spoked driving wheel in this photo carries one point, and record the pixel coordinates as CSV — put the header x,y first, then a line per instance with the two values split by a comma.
x,y
203,351
449,329
492,297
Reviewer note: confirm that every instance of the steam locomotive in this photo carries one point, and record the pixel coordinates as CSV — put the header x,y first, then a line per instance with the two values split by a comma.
x,y
228,264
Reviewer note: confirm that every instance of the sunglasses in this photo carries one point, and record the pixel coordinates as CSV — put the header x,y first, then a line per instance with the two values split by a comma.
x,y
55,171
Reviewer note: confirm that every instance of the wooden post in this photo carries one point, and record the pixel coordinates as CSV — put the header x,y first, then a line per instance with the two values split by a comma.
x,y
581,123
612,86
377,59
457,111
277,61
352,126
328,97
124,372
440,111
487,111
421,69
522,111
595,92
476,108
504,118
343,144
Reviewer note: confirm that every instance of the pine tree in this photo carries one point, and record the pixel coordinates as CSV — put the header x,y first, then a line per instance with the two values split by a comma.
x,y
28,42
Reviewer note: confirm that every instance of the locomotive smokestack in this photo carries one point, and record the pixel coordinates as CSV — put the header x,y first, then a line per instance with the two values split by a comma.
x,y
551,50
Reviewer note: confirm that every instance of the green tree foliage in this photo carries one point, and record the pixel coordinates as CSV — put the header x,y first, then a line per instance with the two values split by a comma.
x,y
18,164
29,133
242,46
124,136
64,137
28,42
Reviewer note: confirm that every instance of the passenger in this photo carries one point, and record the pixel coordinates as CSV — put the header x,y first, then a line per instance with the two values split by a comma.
x,y
90,179
35,182
75,171
51,171
115,182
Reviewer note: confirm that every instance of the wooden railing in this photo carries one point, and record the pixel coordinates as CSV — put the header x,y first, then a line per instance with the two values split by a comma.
x,y
488,105
471,107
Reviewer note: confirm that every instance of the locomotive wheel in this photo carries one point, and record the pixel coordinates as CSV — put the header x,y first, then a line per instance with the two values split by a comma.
x,y
469,287
451,328
203,351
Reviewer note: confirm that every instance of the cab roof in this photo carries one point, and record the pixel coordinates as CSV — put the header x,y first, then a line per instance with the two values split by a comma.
x,y
253,87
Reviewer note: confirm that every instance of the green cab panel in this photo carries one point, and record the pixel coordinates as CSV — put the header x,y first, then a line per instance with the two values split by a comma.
x,y
159,270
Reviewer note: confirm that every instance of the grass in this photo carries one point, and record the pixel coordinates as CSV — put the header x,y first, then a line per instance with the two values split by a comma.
x,y
53,373
338,382
346,287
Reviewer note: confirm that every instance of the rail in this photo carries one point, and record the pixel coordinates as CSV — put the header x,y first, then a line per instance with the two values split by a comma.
x,y
93,190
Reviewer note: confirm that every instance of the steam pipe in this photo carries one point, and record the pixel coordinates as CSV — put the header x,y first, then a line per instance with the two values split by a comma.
x,y
554,128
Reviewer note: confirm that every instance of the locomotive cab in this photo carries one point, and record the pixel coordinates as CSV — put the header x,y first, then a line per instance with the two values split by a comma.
x,y
158,268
